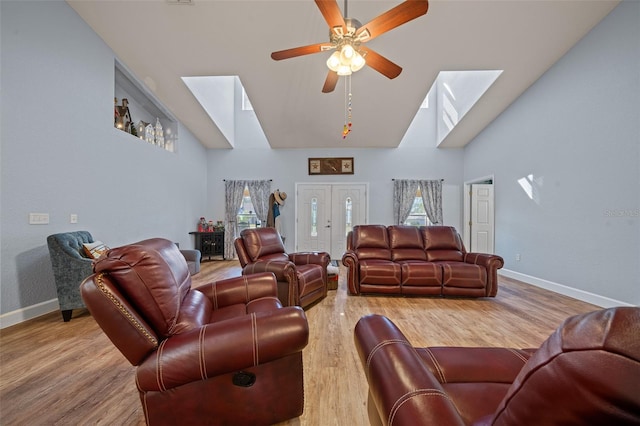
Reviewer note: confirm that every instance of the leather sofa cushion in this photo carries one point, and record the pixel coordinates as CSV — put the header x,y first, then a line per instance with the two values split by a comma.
x,y
371,242
144,268
263,243
476,379
419,273
371,236
406,243
309,278
442,243
463,275
378,271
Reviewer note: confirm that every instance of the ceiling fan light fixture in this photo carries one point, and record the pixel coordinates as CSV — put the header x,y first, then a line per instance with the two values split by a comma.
x,y
344,70
347,52
357,62
334,61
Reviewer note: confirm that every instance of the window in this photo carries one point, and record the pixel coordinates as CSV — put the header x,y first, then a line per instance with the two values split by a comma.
x,y
417,215
247,217
348,220
314,217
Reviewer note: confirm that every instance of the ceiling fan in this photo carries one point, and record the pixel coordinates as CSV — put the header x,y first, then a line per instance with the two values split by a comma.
x,y
347,36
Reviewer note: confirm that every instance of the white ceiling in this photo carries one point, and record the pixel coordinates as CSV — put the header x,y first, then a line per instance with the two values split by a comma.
x,y
162,42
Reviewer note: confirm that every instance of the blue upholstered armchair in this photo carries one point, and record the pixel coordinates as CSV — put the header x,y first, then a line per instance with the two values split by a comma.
x,y
70,267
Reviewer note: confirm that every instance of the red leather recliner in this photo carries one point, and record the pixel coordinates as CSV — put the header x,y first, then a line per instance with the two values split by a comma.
x,y
223,353
586,373
302,276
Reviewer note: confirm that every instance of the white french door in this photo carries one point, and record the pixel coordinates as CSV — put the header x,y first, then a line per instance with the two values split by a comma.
x,y
325,213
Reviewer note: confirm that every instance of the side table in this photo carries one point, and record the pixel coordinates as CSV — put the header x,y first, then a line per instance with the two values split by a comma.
x,y
210,243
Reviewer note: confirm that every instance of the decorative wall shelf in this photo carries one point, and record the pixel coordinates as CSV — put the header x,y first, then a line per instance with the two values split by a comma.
x,y
143,108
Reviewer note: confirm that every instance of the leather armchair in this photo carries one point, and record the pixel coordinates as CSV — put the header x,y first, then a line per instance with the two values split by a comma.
x,y
70,267
223,353
302,276
586,372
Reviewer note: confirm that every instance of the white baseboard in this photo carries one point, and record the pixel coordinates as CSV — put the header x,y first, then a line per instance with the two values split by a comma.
x,y
24,314
585,296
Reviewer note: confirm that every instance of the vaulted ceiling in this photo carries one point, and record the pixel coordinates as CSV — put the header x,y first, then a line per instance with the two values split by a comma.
x,y
161,42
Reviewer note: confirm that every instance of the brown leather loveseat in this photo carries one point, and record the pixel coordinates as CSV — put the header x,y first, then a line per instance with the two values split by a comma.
x,y
586,373
409,260
224,353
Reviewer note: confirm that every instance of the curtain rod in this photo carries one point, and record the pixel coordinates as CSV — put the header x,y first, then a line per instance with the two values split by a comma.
x,y
270,180
441,180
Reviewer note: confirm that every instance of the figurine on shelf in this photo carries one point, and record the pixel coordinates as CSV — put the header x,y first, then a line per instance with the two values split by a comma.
x,y
202,225
210,227
149,134
123,118
159,134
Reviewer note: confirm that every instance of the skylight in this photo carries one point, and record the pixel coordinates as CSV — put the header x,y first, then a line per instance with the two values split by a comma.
x,y
455,93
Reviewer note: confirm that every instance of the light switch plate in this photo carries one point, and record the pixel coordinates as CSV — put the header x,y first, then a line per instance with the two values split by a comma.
x,y
38,218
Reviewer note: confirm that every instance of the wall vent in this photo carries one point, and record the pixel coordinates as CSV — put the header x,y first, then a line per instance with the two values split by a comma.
x,y
187,2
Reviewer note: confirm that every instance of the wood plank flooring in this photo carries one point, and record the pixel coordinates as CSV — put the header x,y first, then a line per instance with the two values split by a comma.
x,y
56,373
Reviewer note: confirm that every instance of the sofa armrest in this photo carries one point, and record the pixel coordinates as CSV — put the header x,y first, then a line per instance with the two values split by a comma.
x,y
224,347
410,391
310,257
350,260
240,290
283,270
487,260
491,263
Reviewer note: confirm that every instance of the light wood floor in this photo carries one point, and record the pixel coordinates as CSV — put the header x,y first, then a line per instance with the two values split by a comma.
x,y
56,373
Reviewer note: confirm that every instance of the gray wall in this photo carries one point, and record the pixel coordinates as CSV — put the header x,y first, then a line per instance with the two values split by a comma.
x,y
416,158
577,132
60,153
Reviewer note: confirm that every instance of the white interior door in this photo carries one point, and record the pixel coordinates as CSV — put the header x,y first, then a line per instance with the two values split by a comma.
x,y
482,218
325,213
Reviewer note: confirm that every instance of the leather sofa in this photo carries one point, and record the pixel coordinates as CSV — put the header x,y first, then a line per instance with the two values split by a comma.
x,y
226,352
302,276
586,373
409,260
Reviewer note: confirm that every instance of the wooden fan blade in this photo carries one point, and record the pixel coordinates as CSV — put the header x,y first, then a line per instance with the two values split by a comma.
x,y
332,14
302,50
392,18
380,63
330,82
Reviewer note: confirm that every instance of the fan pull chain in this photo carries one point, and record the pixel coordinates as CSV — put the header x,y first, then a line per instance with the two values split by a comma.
x,y
347,99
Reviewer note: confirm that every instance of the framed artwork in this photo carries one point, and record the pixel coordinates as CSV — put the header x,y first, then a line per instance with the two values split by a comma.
x,y
331,166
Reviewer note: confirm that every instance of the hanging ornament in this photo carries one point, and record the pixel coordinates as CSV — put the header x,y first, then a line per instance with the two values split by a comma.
x,y
348,98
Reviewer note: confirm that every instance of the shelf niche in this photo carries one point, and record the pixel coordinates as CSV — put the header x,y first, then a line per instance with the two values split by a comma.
x,y
143,106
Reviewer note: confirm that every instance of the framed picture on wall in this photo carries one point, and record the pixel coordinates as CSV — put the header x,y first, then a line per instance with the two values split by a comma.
x,y
331,166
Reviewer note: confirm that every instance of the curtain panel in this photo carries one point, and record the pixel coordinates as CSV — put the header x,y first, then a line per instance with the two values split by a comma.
x,y
432,199
259,191
404,192
233,191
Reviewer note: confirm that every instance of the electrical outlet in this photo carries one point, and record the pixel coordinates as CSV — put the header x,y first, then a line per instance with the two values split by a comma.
x,y
73,218
38,218
518,257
